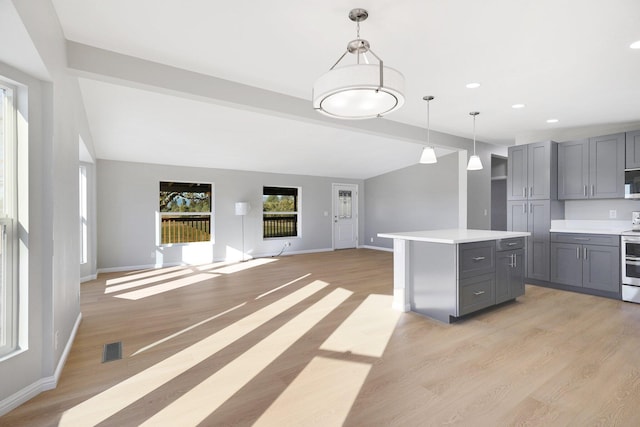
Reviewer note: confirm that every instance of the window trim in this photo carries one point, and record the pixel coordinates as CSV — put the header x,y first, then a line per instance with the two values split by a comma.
x,y
9,336
211,214
298,212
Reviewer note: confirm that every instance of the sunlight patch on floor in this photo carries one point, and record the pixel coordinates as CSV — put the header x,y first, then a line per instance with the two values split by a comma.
x,y
107,403
176,334
367,330
142,275
244,265
321,395
147,281
283,286
199,402
166,287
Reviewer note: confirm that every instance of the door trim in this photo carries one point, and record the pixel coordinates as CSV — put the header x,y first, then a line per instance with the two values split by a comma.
x,y
356,188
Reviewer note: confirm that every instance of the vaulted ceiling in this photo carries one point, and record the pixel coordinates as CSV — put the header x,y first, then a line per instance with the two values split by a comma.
x,y
564,60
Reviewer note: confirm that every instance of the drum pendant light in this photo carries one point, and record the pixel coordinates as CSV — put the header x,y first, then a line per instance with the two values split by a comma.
x,y
428,153
474,161
361,90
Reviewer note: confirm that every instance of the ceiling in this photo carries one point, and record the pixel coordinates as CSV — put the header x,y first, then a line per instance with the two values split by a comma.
x,y
566,60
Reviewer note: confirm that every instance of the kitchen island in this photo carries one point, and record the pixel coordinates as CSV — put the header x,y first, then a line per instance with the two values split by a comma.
x,y
446,274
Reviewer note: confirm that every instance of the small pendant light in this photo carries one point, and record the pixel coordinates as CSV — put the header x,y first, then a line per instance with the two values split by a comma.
x,y
474,161
428,153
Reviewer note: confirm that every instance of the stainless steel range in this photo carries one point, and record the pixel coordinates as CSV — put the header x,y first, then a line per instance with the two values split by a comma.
x,y
630,249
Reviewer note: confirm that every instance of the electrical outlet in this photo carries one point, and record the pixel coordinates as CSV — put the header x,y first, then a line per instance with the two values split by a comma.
x,y
372,240
287,243
613,214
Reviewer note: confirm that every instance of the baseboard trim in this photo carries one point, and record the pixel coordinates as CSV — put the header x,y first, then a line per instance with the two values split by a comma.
x,y
174,264
43,384
377,248
88,278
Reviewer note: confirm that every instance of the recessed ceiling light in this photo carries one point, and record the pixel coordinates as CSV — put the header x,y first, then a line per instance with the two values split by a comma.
x,y
635,45
516,106
473,85
552,121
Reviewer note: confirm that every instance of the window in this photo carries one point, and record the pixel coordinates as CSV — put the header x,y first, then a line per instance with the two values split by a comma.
x,y
8,284
83,216
281,212
185,212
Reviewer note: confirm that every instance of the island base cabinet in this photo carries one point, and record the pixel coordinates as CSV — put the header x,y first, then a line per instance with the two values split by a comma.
x,y
509,275
476,293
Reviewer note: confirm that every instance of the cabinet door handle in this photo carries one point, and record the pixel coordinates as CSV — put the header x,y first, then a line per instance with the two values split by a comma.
x,y
585,253
524,208
515,260
582,238
585,191
524,192
511,244
578,252
478,293
478,258
530,191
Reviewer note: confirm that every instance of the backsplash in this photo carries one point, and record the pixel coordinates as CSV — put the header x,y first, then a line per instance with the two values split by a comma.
x,y
600,209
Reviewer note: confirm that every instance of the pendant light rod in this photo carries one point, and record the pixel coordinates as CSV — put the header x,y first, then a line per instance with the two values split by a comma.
x,y
428,152
428,98
474,114
474,161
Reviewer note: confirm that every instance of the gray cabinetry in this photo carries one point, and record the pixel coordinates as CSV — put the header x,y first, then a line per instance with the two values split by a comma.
x,y
632,150
509,270
476,258
535,217
531,192
531,171
592,168
586,260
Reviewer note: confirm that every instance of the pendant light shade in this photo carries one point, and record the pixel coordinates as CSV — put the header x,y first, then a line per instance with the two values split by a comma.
x,y
428,156
428,153
474,161
361,90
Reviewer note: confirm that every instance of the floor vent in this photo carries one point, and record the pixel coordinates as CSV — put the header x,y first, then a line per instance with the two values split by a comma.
x,y
112,351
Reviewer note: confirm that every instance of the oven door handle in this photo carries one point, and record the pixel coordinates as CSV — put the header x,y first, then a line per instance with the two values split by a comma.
x,y
631,258
636,263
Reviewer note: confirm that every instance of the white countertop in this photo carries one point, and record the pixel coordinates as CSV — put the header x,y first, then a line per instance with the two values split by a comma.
x,y
590,226
454,235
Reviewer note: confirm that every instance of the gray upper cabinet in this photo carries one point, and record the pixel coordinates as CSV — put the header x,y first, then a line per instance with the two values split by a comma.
x,y
573,169
606,166
531,171
592,168
632,150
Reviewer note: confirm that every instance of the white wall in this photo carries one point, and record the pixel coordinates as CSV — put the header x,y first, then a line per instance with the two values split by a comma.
x,y
419,197
48,209
128,206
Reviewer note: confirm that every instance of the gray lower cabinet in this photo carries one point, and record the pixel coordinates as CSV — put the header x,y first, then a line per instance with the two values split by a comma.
x,y
509,275
535,217
586,260
489,273
592,168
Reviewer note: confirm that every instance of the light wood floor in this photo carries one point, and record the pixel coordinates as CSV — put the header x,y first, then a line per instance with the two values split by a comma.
x,y
311,353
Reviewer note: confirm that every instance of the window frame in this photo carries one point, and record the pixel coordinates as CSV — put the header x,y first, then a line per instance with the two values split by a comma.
x,y
211,211
297,212
9,316
84,215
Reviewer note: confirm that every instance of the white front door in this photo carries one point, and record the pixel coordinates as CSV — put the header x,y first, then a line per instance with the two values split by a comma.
x,y
345,216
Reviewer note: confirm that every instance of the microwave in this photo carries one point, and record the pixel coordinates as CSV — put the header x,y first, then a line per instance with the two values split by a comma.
x,y
632,184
